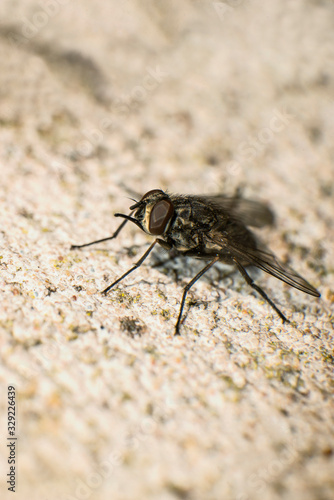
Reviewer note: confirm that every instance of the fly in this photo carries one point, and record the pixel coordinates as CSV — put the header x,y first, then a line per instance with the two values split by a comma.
x,y
211,228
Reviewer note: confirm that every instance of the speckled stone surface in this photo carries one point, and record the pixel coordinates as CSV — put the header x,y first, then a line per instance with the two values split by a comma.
x,y
102,101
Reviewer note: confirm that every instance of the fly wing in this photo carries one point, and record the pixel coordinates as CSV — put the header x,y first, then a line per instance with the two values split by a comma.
x,y
267,262
249,212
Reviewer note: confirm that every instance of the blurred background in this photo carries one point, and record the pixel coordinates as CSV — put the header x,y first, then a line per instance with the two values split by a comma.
x,y
104,100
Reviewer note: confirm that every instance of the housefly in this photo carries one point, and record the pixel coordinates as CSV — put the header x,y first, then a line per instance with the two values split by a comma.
x,y
211,228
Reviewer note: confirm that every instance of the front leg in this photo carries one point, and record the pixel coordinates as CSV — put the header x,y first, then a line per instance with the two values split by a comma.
x,y
137,264
116,233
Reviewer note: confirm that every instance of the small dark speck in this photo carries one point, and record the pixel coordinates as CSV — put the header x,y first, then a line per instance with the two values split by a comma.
x,y
51,289
324,80
327,452
326,190
24,213
212,160
315,134
179,491
132,326
78,288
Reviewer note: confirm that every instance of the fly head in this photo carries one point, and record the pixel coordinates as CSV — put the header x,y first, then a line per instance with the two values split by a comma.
x,y
153,213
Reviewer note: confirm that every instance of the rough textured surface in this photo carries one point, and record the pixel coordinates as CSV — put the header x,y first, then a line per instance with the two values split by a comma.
x,y
100,100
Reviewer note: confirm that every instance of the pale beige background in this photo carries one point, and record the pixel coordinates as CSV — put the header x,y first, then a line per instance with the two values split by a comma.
x,y
98,99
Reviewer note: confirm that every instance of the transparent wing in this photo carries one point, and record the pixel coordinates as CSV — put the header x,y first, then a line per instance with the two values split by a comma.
x,y
267,262
250,212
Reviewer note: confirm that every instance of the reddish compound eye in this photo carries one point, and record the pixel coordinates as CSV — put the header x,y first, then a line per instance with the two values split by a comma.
x,y
160,215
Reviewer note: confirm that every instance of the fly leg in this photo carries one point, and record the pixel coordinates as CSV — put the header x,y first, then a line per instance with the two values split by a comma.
x,y
250,282
116,233
137,264
187,288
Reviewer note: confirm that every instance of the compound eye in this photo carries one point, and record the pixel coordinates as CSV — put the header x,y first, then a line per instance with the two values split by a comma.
x,y
160,215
